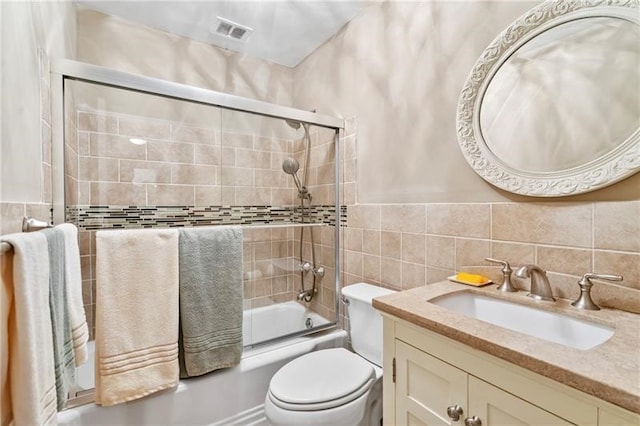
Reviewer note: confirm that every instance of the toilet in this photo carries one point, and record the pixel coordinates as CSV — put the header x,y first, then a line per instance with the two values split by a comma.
x,y
335,386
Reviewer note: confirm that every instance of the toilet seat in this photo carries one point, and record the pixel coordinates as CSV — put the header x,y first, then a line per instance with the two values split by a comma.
x,y
338,377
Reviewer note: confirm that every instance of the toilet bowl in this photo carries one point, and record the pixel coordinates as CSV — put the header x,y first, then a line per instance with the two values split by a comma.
x,y
335,386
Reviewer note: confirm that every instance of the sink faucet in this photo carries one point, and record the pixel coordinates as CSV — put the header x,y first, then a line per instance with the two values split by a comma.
x,y
540,287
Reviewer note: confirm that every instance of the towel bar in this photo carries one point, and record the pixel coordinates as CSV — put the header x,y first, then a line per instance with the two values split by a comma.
x,y
29,224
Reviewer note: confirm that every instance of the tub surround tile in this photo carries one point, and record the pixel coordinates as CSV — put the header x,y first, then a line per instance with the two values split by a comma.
x,y
97,169
97,122
117,193
113,146
197,135
144,172
187,174
171,152
154,129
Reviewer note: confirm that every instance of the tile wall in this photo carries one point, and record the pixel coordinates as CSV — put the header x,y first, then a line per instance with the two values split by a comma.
x,y
402,246
193,176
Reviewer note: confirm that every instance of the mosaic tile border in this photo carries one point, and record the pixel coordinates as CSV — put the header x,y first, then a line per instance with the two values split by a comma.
x,y
110,217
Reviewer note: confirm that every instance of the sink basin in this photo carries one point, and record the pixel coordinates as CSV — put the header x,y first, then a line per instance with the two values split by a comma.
x,y
551,326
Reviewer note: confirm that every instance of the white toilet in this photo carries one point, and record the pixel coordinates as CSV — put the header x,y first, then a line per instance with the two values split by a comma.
x,y
335,386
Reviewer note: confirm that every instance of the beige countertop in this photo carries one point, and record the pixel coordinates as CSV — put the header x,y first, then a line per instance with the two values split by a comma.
x,y
609,371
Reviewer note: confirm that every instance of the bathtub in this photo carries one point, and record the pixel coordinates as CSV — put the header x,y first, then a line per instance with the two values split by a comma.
x,y
232,396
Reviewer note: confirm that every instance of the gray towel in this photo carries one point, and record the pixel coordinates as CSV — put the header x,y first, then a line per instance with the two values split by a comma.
x,y
63,357
211,292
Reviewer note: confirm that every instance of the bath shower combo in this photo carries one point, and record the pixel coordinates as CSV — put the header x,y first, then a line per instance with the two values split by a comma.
x,y
291,166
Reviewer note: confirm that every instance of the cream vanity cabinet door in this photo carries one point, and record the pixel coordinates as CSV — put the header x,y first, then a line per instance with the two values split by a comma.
x,y
426,387
495,407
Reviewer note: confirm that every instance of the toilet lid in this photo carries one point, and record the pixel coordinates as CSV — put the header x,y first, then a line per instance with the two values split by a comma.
x,y
328,377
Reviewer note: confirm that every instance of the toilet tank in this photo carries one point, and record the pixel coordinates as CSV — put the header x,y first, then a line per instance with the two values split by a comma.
x,y
365,323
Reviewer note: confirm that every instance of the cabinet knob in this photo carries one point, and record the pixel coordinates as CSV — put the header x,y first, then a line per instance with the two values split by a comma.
x,y
454,412
473,421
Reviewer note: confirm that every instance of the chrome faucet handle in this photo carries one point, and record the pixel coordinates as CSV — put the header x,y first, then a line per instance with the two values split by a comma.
x,y
584,301
540,286
506,275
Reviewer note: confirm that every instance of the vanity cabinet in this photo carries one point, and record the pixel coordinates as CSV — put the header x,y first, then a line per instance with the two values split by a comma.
x,y
432,374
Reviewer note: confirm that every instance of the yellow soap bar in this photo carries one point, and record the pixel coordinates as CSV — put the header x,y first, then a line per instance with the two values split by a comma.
x,y
471,278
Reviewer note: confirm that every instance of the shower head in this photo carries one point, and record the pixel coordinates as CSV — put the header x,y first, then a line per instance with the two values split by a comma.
x,y
290,166
293,124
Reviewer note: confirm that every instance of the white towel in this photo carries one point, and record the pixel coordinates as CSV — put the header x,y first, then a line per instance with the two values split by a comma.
x,y
136,313
6,303
33,386
73,281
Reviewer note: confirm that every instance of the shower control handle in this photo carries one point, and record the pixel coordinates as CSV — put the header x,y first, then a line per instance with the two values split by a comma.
x,y
454,412
305,267
319,271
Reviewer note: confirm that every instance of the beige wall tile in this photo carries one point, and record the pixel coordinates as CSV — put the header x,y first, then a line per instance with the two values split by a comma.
x,y
625,264
413,275
371,269
71,164
236,176
403,218
567,224
271,178
564,260
197,135
186,174
391,272
83,143
11,215
152,129
413,248
208,196
228,156
435,275
283,197
104,145
208,154
471,252
617,226
441,252
366,216
144,172
371,242
251,196
391,244
170,195
118,194
353,239
460,220
236,140
514,253
326,174
353,263
172,152
253,159
97,122
98,169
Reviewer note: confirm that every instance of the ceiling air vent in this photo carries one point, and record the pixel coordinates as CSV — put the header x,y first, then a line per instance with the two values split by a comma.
x,y
232,30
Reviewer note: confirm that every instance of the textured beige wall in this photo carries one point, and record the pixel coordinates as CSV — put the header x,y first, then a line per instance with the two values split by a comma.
x,y
29,28
114,43
399,68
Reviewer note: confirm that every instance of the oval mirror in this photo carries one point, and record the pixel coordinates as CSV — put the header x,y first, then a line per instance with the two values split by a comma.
x,y
552,107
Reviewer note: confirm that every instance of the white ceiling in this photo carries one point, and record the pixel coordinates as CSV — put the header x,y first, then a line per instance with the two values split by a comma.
x,y
284,31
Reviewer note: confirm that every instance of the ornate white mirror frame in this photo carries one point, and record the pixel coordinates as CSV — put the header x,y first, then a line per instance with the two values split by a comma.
x,y
615,165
